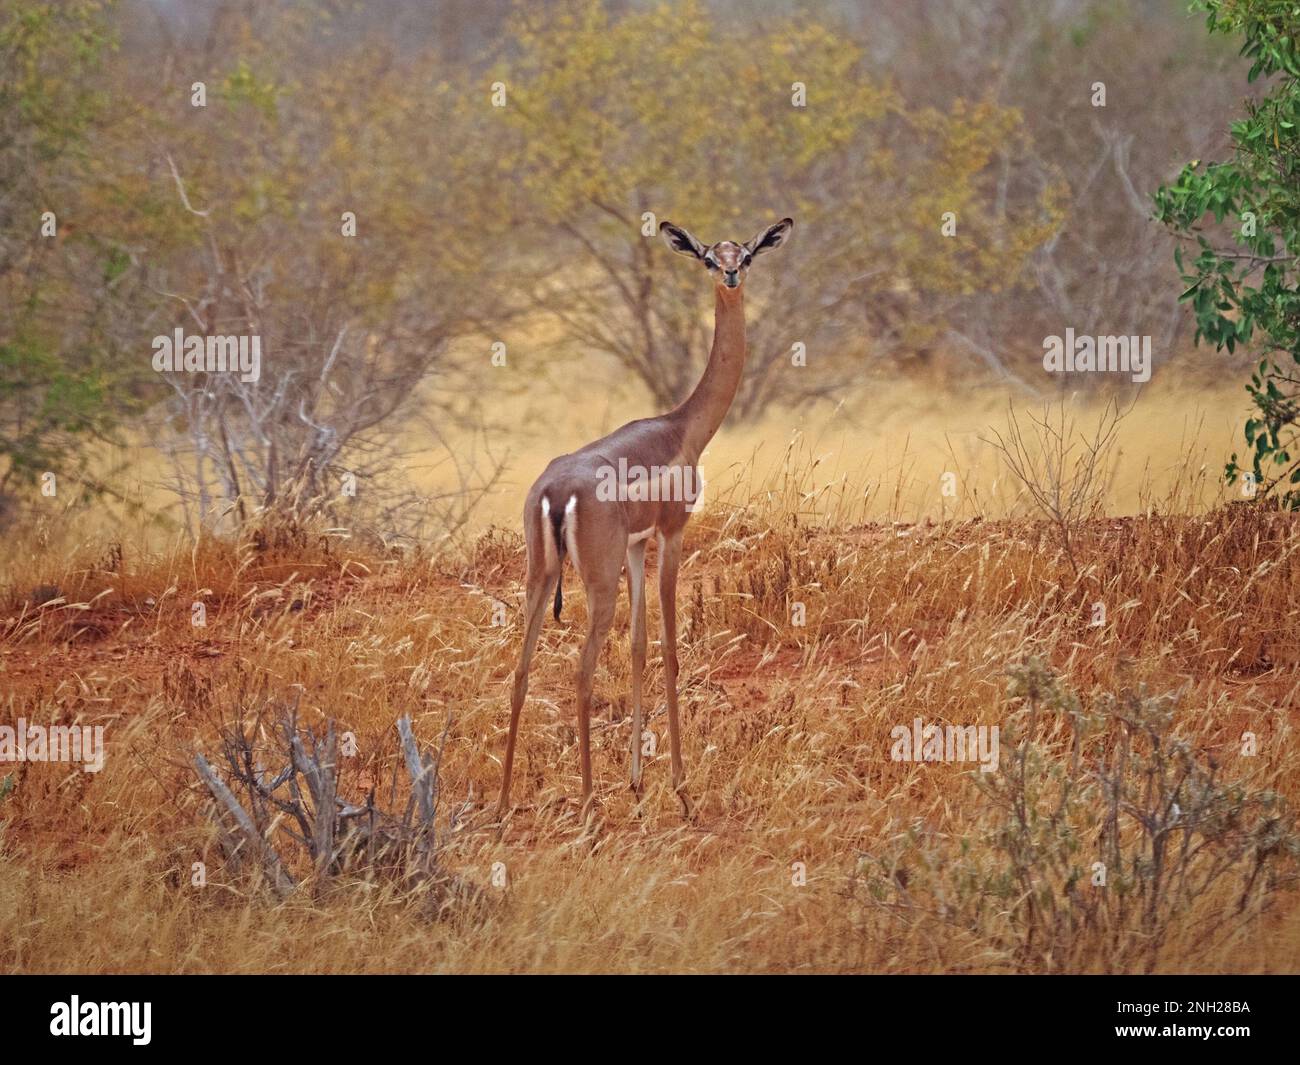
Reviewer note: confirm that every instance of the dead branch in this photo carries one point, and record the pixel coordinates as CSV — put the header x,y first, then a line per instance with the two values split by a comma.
x,y
332,836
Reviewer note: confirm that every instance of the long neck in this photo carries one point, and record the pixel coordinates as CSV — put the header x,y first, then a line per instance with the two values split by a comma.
x,y
703,410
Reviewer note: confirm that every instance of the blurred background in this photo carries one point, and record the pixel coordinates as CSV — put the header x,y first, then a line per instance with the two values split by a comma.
x,y
438,218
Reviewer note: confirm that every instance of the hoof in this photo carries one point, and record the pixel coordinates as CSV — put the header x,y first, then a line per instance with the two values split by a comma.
x,y
688,807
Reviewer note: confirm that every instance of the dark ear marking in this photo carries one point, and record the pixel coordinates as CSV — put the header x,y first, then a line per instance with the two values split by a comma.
x,y
772,237
680,240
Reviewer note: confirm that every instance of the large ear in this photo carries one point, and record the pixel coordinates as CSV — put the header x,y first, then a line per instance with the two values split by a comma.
x,y
771,237
680,240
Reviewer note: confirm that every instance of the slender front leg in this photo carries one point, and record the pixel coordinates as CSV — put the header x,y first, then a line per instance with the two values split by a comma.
x,y
670,557
636,593
600,615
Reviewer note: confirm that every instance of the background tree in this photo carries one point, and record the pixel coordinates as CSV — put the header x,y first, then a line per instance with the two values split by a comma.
x,y
667,110
1083,76
1243,218
308,205
63,380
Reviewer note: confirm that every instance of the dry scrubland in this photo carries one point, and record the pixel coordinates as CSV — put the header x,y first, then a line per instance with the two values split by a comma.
x,y
787,737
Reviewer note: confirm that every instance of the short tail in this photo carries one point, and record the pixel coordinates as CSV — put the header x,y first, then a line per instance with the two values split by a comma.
x,y
557,527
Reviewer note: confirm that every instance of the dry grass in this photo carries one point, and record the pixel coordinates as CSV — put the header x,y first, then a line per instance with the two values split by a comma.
x,y
787,737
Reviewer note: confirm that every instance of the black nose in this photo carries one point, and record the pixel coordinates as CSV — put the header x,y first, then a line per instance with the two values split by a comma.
x,y
731,276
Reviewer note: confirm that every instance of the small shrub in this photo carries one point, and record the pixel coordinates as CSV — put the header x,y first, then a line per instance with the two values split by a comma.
x,y
1099,834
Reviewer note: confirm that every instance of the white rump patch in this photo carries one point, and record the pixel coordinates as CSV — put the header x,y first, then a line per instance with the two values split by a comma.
x,y
549,549
570,526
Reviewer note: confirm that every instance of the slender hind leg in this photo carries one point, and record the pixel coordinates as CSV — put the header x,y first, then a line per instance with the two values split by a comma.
x,y
670,557
636,592
540,587
601,598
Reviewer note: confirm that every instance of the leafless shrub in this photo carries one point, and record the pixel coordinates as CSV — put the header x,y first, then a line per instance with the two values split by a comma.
x,y
1066,474
291,828
1106,827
